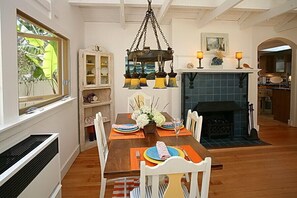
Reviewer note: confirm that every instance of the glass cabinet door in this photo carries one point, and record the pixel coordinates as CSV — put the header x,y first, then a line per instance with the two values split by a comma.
x,y
104,70
90,74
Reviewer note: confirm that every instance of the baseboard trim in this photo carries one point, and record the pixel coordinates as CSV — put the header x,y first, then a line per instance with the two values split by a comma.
x,y
66,166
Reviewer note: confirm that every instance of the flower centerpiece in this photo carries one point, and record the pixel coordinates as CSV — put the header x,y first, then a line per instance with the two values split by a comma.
x,y
147,116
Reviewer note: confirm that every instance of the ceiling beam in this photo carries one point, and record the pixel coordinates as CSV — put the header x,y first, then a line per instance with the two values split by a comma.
x,y
227,5
284,22
287,26
273,12
243,17
163,11
122,14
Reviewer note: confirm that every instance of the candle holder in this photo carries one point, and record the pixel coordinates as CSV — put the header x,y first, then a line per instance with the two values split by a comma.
x,y
200,56
238,56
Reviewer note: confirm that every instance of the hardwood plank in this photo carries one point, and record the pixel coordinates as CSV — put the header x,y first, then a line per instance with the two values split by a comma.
x,y
260,171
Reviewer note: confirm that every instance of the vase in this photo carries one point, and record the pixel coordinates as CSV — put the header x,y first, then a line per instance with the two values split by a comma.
x,y
151,127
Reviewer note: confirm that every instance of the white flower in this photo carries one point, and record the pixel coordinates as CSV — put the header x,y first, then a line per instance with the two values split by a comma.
x,y
142,120
146,114
158,118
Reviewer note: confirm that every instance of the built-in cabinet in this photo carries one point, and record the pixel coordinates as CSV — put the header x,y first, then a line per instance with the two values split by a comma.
x,y
95,93
276,62
281,104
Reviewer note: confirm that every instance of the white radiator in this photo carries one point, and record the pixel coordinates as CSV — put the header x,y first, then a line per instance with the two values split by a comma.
x,y
31,168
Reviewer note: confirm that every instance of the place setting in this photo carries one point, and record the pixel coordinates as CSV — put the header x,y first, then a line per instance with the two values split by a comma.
x,y
172,128
125,131
159,153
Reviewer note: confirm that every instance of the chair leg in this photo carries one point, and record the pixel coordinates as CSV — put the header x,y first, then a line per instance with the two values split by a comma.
x,y
197,188
103,187
197,192
125,187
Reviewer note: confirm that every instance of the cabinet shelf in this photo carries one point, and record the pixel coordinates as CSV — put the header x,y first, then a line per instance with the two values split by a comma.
x,y
89,105
95,88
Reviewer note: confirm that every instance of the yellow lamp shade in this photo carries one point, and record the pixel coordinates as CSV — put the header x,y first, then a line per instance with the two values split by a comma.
x,y
238,55
127,83
143,82
200,54
172,82
160,83
135,83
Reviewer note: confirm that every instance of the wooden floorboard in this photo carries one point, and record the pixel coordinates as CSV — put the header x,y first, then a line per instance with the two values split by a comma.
x,y
259,171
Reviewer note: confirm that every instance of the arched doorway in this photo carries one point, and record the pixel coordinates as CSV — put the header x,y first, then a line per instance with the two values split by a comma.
x,y
276,80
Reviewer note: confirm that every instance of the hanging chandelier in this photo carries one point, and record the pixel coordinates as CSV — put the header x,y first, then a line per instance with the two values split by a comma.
x,y
139,57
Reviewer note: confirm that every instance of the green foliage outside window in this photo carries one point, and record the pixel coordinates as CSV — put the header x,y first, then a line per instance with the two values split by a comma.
x,y
37,56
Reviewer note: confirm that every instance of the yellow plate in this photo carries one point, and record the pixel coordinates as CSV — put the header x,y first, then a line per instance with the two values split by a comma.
x,y
170,129
180,152
126,132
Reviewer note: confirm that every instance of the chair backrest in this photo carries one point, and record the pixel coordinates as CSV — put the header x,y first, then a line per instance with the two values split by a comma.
x,y
194,124
137,100
101,141
175,167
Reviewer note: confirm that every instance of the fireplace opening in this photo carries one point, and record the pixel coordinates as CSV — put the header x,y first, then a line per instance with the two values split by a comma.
x,y
218,118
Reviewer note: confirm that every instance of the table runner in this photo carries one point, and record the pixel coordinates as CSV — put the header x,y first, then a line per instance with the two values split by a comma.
x,y
120,136
134,162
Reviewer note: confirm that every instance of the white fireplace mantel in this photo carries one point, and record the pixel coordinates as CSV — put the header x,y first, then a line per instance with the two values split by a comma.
x,y
210,70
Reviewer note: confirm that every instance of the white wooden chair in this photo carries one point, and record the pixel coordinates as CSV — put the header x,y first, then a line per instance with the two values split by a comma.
x,y
175,167
103,153
137,100
194,124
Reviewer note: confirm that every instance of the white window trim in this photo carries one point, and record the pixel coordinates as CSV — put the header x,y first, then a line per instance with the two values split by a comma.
x,y
40,112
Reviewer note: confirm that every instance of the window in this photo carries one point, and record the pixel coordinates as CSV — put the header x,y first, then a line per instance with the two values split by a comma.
x,y
42,64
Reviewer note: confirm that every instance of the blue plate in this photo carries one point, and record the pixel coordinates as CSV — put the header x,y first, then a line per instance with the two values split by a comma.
x,y
153,152
129,129
170,126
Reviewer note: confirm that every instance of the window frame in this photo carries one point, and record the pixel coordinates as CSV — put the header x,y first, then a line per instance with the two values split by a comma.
x,y
62,69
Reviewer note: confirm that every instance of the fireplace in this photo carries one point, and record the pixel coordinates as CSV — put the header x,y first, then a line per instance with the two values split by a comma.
x,y
218,118
229,91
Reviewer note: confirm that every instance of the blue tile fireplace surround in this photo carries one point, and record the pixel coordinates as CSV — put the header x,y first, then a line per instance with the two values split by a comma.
x,y
230,88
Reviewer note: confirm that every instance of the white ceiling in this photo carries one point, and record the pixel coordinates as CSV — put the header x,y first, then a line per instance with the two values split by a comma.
x,y
281,14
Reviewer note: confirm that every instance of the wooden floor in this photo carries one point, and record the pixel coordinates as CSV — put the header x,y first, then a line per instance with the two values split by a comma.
x,y
261,171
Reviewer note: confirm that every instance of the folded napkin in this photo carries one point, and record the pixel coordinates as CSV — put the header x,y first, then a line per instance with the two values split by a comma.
x,y
162,150
124,126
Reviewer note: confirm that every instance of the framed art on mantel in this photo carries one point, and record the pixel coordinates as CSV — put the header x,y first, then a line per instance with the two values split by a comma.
x,y
213,42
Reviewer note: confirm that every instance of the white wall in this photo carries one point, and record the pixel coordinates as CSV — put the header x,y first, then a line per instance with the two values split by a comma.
x,y
63,119
185,38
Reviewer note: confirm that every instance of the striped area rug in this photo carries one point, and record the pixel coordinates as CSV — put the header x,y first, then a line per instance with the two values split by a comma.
x,y
119,191
118,188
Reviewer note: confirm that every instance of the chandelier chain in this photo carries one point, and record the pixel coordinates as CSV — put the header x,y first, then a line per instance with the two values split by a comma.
x,y
144,31
153,21
161,30
137,35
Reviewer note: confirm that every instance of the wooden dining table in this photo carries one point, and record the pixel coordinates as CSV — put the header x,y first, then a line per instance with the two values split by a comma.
x,y
118,162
